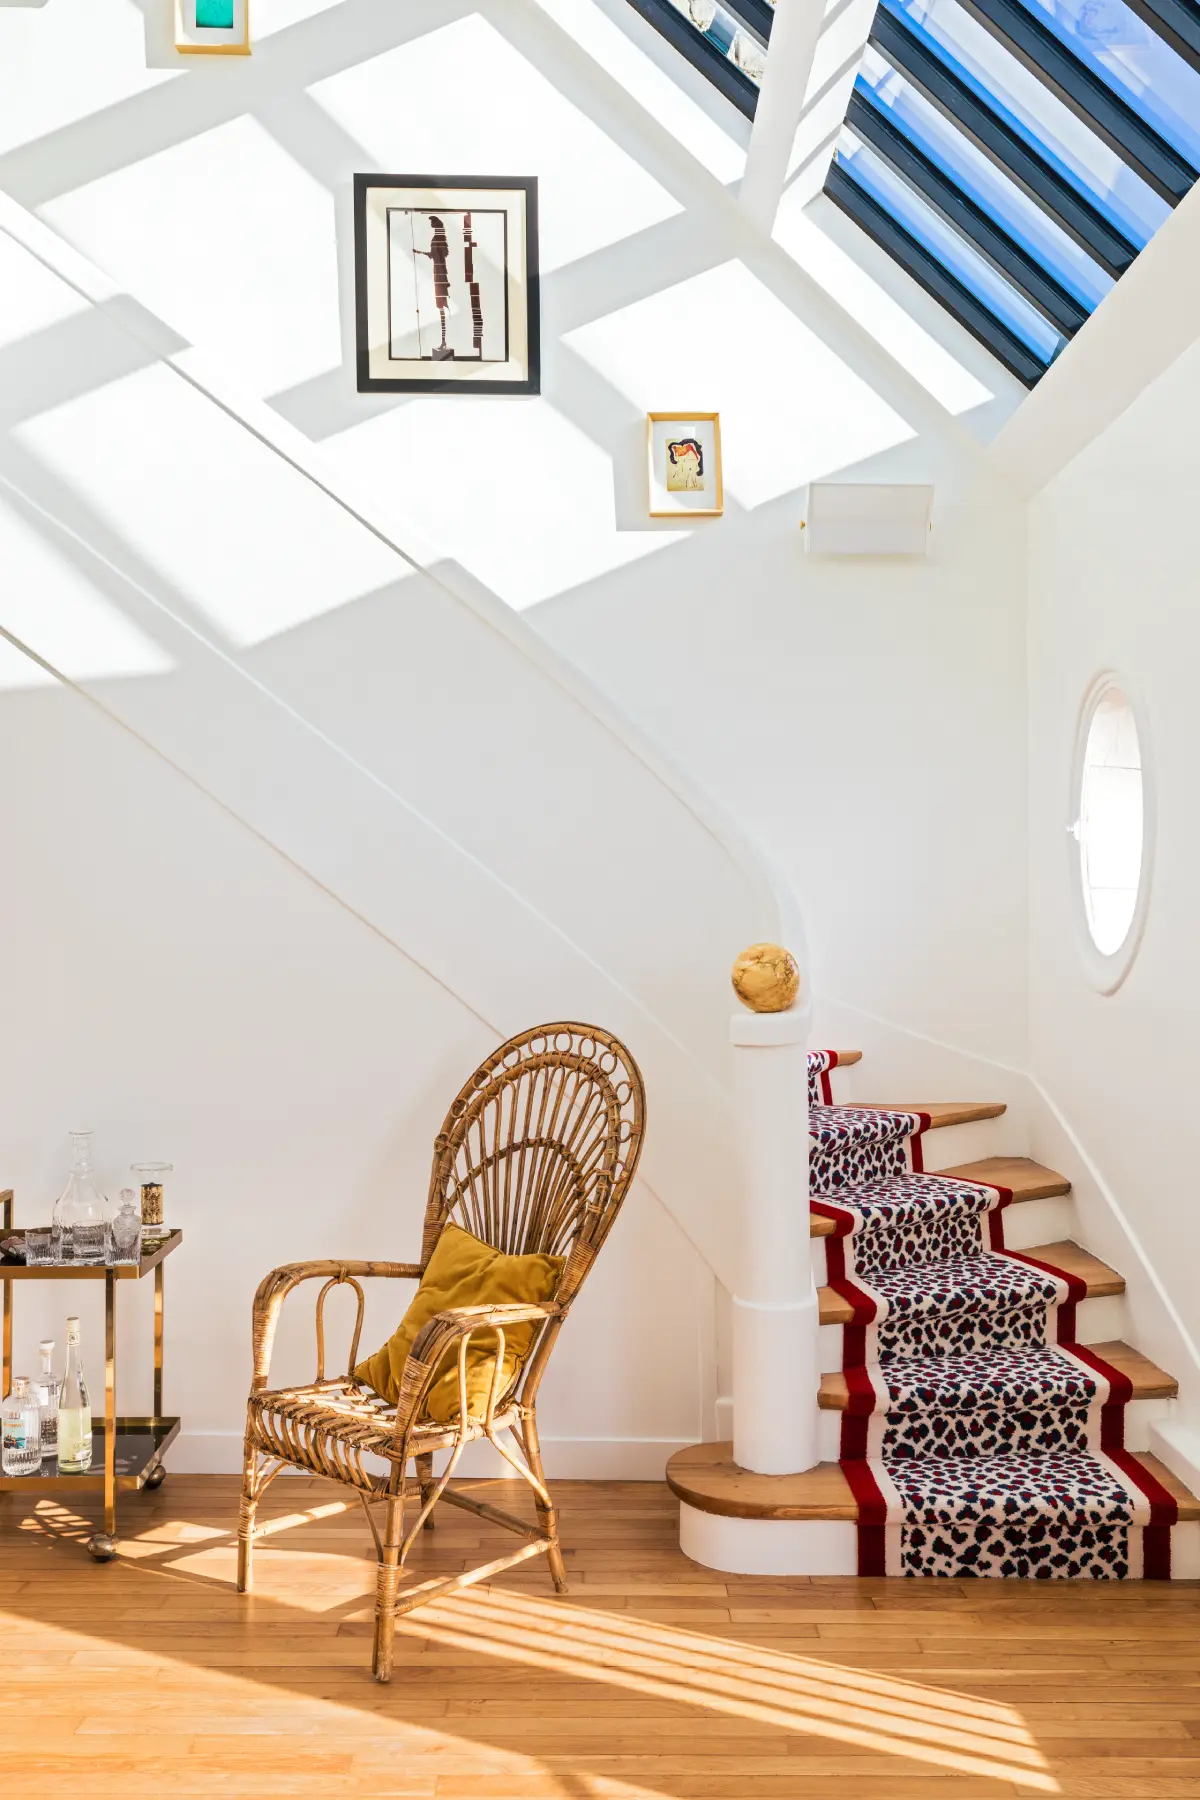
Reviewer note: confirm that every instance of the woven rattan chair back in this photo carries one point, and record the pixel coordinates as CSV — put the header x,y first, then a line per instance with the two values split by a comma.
x,y
538,1150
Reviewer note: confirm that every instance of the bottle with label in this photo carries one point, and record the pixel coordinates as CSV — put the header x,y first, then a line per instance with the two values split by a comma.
x,y
74,1411
46,1387
20,1430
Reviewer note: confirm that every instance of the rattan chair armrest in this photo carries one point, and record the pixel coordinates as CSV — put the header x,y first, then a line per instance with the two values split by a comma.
x,y
448,1329
274,1289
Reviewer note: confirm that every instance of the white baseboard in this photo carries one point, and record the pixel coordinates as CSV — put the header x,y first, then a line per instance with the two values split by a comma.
x,y
565,1459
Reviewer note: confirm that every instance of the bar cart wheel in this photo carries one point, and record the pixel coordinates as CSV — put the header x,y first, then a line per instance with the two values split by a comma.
x,y
101,1548
155,1479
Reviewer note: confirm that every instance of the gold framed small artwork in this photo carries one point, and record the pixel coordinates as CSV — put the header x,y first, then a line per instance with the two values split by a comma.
x,y
212,27
684,457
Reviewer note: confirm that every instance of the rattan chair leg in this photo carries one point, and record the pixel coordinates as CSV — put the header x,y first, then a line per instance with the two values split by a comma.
x,y
246,1513
425,1477
388,1585
546,1514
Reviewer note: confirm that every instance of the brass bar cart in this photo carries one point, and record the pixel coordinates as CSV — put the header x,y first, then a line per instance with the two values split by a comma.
x,y
127,1451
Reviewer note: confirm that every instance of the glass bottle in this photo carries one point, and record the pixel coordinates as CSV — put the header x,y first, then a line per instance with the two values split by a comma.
x,y
21,1428
46,1387
82,1216
74,1411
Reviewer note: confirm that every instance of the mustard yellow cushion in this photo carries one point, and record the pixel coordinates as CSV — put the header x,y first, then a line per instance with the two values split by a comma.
x,y
463,1271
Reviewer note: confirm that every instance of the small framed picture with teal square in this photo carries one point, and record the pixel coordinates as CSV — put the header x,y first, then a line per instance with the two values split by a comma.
x,y
213,27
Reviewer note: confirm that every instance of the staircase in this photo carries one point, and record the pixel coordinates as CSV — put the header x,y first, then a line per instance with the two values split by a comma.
x,y
980,1413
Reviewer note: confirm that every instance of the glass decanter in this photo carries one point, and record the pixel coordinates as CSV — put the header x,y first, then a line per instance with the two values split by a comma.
x,y
127,1229
82,1215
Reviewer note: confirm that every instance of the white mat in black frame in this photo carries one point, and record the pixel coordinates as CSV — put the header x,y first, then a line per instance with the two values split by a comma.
x,y
446,284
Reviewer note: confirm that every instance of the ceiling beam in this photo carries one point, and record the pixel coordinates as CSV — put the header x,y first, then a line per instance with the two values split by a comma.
x,y
794,35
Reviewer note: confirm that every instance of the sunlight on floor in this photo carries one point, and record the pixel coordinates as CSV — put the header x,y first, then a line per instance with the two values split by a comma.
x,y
860,1707
872,1712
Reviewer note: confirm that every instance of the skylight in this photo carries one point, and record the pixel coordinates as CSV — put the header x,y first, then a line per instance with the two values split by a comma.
x,y
1012,155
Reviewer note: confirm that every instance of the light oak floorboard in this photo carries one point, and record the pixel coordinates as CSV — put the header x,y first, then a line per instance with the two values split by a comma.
x,y
652,1679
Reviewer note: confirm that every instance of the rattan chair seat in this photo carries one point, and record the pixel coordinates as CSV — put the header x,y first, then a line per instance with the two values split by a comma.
x,y
328,1426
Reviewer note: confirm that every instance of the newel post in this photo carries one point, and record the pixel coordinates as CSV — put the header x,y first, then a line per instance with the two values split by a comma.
x,y
776,1367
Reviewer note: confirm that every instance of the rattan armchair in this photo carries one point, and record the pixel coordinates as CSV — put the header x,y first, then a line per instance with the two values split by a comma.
x,y
536,1154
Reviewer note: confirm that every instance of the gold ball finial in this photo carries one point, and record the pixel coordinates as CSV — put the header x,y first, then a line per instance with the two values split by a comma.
x,y
766,978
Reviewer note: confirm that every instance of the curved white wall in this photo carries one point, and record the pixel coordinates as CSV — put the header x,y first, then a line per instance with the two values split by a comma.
x,y
1113,586
315,728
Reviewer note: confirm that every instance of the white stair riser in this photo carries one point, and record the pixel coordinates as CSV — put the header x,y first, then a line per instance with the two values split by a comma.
x,y
828,1546
1140,1415
1049,1221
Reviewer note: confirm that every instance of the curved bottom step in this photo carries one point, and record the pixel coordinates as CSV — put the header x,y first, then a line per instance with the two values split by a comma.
x,y
747,1524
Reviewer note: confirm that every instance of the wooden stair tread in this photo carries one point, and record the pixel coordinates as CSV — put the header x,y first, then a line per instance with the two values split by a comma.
x,y
1073,1260
1026,1179
845,1058
1149,1381
1068,1257
938,1112
705,1476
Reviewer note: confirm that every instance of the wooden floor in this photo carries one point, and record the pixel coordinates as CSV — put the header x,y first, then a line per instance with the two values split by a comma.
x,y
652,1677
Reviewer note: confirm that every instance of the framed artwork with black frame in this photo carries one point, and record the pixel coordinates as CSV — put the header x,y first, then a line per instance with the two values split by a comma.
x,y
446,284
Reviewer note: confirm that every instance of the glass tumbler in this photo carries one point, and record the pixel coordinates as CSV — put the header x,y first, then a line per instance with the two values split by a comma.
x,y
41,1246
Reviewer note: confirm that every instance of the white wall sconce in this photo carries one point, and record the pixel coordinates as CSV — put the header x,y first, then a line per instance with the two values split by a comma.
x,y
868,519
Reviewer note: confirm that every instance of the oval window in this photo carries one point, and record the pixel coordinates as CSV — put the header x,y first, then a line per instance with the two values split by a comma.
x,y
1111,824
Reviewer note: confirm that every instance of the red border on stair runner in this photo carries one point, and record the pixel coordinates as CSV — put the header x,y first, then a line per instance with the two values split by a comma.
x,y
1076,1291
862,1398
826,1084
1164,1512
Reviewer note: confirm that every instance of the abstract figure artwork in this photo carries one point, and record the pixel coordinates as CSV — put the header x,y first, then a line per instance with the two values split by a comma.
x,y
446,284
684,452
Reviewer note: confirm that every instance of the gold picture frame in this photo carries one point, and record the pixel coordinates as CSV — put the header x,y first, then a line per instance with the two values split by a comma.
x,y
193,39
683,468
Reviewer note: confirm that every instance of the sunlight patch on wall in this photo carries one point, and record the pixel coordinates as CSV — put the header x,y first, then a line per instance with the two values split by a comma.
x,y
271,16
518,494
32,298
791,409
228,239
472,104
892,328
69,61
49,604
234,529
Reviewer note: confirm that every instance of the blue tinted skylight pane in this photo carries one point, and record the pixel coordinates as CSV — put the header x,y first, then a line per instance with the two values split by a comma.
x,y
1134,61
952,251
979,178
1033,112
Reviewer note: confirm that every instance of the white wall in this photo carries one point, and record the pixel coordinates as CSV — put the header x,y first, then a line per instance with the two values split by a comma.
x,y
865,723
173,981
1113,587
220,197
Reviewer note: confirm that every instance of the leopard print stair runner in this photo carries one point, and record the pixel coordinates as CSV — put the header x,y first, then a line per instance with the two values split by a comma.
x,y
980,1438
820,1062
